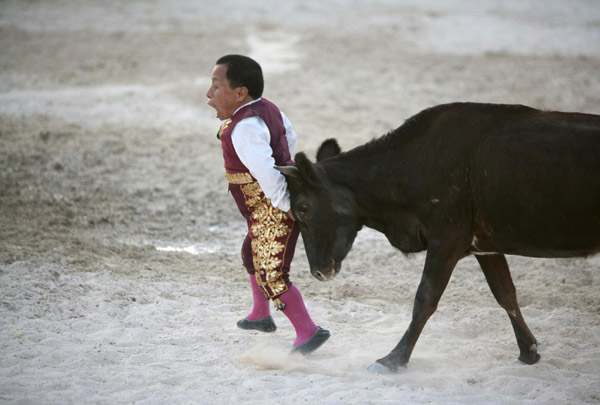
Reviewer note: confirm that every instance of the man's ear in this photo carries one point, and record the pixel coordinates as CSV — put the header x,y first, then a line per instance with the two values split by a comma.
x,y
241,92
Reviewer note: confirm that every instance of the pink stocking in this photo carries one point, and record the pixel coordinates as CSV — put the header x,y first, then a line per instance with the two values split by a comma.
x,y
298,315
261,305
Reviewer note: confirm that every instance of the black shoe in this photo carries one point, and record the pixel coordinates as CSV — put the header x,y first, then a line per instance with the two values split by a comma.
x,y
264,325
316,341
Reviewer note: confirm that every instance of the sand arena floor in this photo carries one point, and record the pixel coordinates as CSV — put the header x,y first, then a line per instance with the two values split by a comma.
x,y
120,277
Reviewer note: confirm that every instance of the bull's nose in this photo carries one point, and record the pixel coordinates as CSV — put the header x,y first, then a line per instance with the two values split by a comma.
x,y
319,275
323,275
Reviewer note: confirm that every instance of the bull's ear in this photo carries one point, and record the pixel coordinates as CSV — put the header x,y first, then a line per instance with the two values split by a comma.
x,y
329,148
306,169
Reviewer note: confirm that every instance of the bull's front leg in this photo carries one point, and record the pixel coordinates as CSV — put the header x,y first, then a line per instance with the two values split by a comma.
x,y
439,264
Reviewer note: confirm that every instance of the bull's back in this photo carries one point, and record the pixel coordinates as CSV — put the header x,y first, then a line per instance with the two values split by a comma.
x,y
535,183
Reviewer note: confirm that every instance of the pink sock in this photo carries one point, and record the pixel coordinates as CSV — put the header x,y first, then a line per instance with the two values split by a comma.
x,y
298,315
261,306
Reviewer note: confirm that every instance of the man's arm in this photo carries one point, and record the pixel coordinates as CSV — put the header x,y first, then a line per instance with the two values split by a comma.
x,y
251,140
290,135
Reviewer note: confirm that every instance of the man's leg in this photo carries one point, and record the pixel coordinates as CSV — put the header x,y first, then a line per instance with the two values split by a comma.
x,y
309,337
261,305
259,317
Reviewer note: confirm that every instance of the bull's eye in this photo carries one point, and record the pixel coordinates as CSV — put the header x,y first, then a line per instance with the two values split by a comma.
x,y
301,211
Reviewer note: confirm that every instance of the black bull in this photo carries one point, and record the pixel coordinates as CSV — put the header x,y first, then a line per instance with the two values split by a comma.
x,y
457,179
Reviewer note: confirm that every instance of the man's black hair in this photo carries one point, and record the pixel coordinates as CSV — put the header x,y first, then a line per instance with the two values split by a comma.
x,y
243,71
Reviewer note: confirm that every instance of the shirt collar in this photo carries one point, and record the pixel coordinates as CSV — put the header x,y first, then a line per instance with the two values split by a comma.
x,y
251,102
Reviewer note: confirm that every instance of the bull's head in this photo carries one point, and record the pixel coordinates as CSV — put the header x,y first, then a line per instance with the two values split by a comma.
x,y
325,210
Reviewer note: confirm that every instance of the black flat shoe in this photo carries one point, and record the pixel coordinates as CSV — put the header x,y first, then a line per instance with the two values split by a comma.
x,y
264,325
316,341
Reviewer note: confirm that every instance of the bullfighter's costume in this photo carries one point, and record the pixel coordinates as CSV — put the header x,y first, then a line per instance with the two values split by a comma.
x,y
254,139
270,243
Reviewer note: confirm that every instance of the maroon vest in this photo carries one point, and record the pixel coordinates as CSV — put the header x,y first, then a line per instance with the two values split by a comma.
x,y
271,115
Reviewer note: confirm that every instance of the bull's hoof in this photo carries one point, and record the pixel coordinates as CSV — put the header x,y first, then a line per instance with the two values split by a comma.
x,y
386,365
531,356
379,369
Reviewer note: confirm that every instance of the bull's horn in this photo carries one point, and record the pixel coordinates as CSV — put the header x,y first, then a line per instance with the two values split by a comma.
x,y
291,171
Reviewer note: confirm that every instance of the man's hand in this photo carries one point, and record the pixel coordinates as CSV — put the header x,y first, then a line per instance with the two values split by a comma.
x,y
291,215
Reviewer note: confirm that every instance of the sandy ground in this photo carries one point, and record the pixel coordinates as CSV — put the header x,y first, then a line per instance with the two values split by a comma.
x,y
120,277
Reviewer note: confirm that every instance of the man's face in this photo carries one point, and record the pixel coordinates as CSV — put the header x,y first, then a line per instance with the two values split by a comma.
x,y
221,96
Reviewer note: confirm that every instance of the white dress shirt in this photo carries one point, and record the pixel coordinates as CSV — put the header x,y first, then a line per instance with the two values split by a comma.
x,y
251,140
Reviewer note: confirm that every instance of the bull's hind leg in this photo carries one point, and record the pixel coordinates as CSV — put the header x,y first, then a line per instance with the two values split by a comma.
x,y
498,277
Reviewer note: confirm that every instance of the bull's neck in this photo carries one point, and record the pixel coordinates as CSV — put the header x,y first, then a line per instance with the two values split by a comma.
x,y
370,180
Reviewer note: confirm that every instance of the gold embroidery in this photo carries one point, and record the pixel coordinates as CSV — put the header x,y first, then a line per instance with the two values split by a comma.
x,y
280,306
223,127
239,178
267,227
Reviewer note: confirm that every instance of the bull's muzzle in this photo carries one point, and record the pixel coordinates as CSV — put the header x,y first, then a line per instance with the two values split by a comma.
x,y
326,273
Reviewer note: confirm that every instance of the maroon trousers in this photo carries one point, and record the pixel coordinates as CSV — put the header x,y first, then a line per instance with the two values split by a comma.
x,y
270,243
